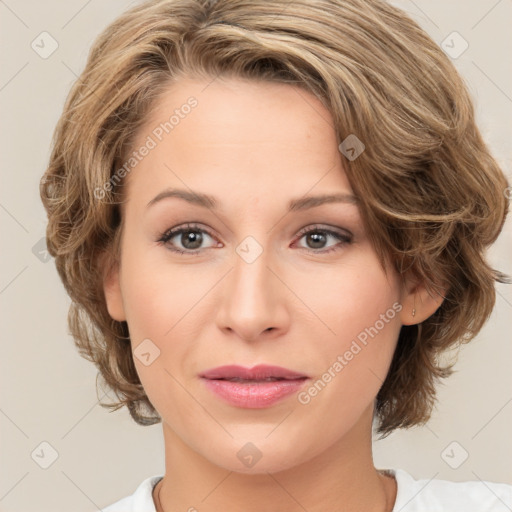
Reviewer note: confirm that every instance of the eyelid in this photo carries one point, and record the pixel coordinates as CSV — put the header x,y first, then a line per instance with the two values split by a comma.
x,y
189,226
326,229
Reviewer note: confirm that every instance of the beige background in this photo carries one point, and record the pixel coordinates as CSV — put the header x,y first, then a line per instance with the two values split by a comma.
x,y
48,392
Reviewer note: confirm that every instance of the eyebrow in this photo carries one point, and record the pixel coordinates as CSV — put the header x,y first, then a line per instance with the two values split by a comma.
x,y
207,201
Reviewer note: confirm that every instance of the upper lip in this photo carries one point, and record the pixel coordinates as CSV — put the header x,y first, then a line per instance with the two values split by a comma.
x,y
259,372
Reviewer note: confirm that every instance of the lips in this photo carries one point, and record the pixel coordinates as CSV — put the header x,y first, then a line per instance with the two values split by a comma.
x,y
261,372
253,388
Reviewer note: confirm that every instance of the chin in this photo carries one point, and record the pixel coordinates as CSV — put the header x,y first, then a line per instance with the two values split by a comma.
x,y
262,467
259,457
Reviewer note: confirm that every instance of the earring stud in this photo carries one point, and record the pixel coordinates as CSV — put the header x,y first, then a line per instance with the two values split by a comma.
x,y
413,312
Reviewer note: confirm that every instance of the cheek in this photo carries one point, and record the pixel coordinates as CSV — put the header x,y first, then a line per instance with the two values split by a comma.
x,y
160,295
162,304
159,304
358,306
351,298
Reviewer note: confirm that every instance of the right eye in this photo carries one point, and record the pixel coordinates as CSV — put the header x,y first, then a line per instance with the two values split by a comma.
x,y
190,236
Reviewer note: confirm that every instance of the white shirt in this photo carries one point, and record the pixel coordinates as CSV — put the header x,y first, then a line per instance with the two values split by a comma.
x,y
412,496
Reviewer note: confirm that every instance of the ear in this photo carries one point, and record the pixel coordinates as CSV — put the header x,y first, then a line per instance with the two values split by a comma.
x,y
112,287
420,301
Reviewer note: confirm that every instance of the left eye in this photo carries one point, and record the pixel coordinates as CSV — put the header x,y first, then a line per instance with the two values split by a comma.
x,y
191,239
317,238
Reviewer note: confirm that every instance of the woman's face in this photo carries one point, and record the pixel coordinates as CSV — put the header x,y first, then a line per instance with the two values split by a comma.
x,y
253,281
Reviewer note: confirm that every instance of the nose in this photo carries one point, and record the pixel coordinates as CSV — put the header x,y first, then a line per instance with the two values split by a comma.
x,y
253,303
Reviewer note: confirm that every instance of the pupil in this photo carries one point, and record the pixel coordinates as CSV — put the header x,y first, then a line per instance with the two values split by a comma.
x,y
318,240
191,236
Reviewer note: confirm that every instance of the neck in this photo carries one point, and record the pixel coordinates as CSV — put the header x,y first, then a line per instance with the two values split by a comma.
x,y
342,477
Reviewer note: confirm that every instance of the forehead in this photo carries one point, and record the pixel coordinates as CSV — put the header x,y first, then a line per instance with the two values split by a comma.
x,y
254,138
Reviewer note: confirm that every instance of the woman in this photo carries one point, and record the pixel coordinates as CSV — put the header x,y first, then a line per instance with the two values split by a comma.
x,y
271,219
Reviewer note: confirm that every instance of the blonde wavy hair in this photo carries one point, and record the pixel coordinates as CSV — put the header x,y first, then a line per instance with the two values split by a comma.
x,y
431,195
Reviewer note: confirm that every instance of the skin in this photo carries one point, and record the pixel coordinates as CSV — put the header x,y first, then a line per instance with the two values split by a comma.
x,y
254,146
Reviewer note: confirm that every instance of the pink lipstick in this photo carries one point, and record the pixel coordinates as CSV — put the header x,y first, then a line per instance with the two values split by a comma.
x,y
253,388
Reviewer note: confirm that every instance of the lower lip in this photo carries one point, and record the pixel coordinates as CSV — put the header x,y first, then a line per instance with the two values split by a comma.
x,y
254,395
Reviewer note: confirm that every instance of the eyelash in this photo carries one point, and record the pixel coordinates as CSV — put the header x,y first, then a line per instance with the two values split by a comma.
x,y
171,233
